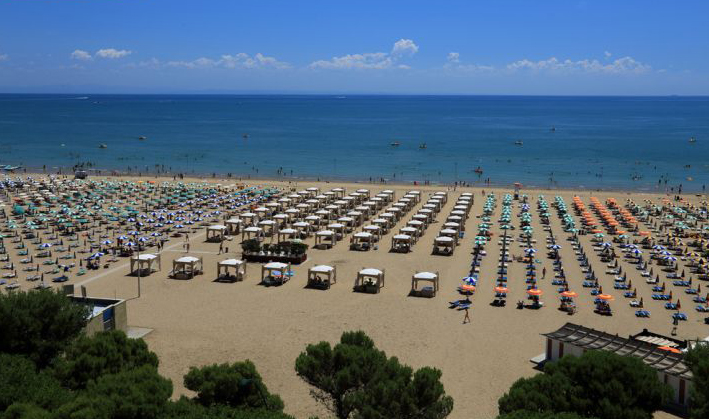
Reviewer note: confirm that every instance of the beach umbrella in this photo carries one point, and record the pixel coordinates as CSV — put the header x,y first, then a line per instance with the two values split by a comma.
x,y
501,290
535,292
554,246
669,349
605,297
470,280
467,288
569,294
106,242
45,245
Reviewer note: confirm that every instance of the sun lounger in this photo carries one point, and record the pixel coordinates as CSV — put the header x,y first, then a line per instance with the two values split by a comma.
x,y
642,313
680,316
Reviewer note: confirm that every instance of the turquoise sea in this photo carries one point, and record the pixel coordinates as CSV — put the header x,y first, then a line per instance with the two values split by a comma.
x,y
591,142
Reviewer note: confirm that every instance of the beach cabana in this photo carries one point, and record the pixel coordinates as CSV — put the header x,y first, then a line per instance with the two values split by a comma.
x,y
427,277
233,226
325,238
215,233
303,228
369,280
275,273
322,276
286,234
401,243
224,266
252,232
187,267
362,241
443,245
410,231
144,263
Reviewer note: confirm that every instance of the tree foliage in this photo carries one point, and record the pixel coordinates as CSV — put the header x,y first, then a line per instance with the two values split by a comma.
x,y
524,414
234,385
39,324
185,408
88,358
139,393
698,360
21,383
354,378
597,384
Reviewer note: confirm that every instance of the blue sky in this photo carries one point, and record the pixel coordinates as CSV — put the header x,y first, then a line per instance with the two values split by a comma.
x,y
538,47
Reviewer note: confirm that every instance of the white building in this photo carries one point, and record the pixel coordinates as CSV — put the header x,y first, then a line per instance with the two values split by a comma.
x,y
664,354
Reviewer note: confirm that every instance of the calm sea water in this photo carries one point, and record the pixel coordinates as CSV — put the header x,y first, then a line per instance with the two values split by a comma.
x,y
598,142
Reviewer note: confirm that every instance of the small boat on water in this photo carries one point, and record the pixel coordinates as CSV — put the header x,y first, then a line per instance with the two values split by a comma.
x,y
478,170
553,129
692,140
395,144
245,136
142,138
519,142
102,146
422,146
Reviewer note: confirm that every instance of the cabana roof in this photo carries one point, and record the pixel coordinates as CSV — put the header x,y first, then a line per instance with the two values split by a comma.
x,y
322,268
275,265
231,262
187,259
425,275
144,256
370,272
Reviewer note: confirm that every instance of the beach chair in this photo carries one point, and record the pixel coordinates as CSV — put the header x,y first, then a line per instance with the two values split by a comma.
x,y
680,316
642,313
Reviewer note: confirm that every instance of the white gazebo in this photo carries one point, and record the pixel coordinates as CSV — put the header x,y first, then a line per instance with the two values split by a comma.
x,y
303,228
215,233
427,291
252,232
322,276
286,234
275,273
325,238
187,267
443,245
225,265
411,231
369,280
401,243
145,263
375,230
233,226
362,241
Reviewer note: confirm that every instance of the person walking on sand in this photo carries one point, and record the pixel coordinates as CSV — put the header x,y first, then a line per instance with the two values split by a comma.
x,y
466,319
544,272
221,248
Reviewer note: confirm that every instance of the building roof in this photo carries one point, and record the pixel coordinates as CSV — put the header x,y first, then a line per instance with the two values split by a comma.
x,y
649,352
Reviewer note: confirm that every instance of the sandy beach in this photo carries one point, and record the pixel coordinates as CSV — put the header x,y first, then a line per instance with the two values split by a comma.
x,y
201,321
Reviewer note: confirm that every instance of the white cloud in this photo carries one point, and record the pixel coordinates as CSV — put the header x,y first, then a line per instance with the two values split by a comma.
x,y
82,55
240,60
607,54
113,53
618,66
404,47
371,60
453,57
